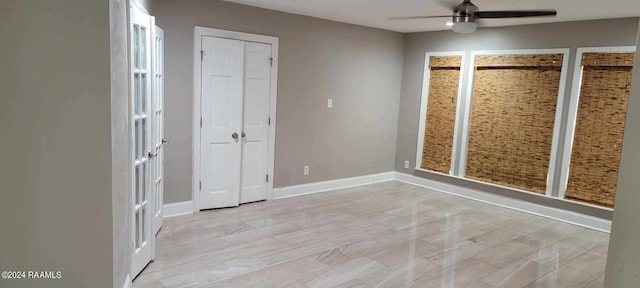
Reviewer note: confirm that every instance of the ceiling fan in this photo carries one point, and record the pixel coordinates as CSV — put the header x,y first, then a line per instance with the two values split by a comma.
x,y
466,15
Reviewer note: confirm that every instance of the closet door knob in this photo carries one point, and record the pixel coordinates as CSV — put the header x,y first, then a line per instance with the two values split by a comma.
x,y
244,135
234,136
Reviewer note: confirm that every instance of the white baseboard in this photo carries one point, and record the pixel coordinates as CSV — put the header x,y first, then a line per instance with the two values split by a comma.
x,y
579,219
316,187
127,282
591,222
177,209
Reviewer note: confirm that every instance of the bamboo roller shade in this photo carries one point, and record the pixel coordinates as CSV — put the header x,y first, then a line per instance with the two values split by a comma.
x,y
441,112
597,143
512,119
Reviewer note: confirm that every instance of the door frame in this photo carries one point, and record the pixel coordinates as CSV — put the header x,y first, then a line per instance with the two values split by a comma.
x,y
199,32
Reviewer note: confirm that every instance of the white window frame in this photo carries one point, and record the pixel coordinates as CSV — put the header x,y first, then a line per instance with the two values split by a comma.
x,y
423,110
573,114
558,119
197,112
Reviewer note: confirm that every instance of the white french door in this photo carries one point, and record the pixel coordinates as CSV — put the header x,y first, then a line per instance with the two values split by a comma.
x,y
236,87
221,126
157,162
140,42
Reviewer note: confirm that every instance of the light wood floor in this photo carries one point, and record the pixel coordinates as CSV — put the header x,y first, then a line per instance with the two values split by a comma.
x,y
389,234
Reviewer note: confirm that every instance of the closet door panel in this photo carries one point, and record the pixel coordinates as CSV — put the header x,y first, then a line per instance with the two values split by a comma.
x,y
221,149
255,136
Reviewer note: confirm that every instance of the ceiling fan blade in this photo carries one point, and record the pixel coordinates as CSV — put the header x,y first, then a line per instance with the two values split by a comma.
x,y
515,14
418,17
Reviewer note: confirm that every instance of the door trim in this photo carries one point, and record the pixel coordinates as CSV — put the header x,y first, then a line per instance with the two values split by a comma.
x,y
197,112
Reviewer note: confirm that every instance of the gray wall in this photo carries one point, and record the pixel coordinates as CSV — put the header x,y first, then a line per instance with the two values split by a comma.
x,y
360,68
55,148
623,262
147,4
121,199
618,32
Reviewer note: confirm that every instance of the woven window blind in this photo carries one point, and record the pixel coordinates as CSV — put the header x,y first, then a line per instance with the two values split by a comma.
x,y
512,119
597,144
442,100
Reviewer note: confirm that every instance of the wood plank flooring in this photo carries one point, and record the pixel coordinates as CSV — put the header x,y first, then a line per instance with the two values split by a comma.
x,y
389,234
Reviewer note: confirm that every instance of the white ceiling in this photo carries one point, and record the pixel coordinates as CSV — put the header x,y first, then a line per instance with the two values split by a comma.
x,y
375,13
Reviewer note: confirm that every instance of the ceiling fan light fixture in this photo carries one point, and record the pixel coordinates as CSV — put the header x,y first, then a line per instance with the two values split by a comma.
x,y
465,27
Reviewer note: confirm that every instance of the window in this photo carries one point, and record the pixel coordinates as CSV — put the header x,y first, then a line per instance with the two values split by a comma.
x,y
600,109
512,119
441,107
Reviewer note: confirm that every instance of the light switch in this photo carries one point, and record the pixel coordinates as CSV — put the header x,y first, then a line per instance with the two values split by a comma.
x,y
330,103
306,170
406,164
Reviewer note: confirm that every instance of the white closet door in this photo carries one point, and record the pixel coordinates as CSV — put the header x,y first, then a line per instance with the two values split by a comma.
x,y
157,162
221,147
257,87
140,32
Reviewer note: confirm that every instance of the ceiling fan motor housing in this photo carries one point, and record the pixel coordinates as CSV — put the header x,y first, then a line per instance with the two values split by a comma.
x,y
465,13
464,17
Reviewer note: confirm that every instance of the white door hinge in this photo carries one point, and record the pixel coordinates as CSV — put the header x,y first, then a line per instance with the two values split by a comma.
x,y
271,61
202,53
267,177
200,186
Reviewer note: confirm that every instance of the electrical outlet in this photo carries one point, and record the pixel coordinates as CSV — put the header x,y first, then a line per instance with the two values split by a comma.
x,y
406,164
330,103
306,170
